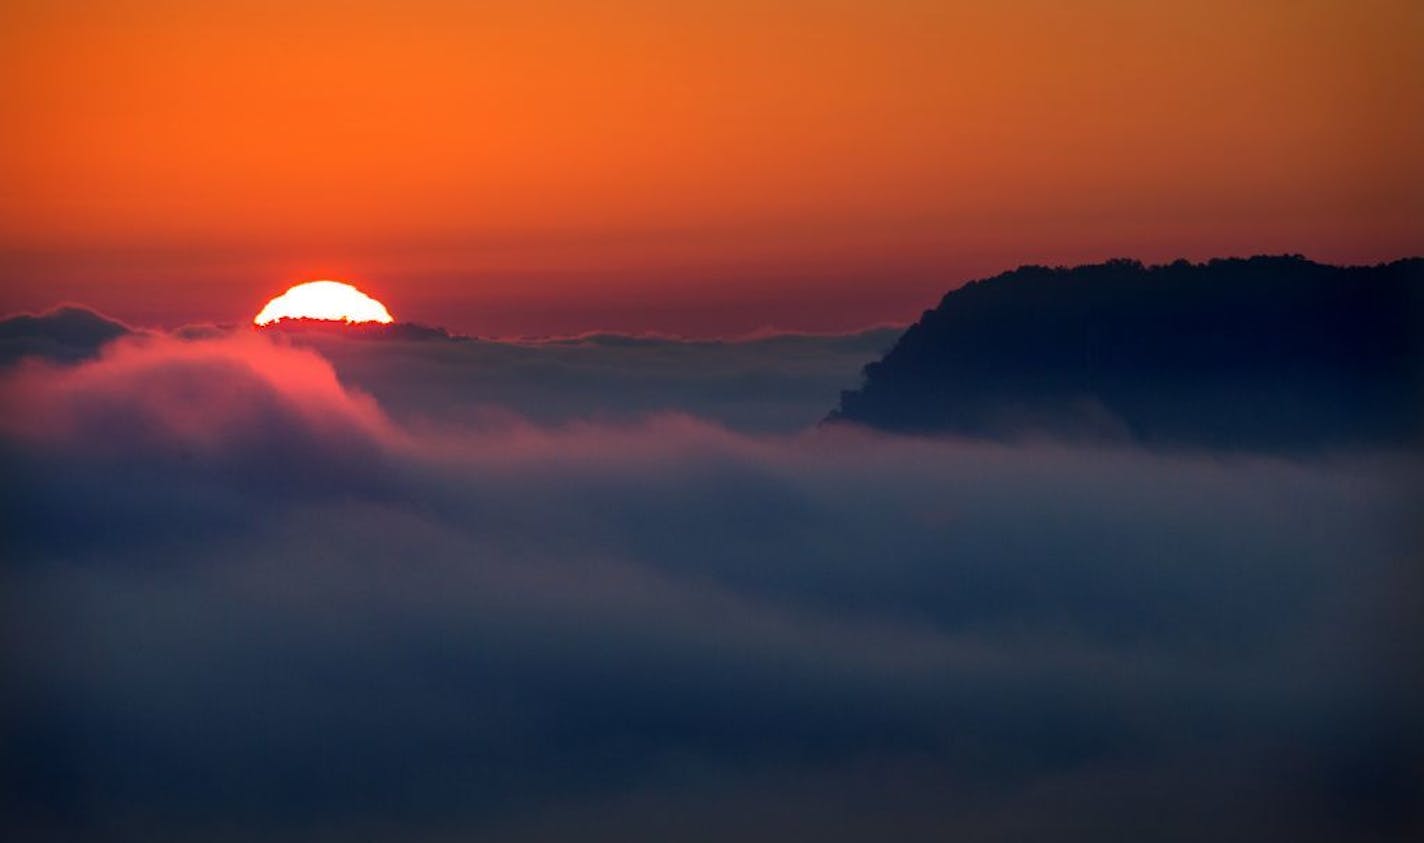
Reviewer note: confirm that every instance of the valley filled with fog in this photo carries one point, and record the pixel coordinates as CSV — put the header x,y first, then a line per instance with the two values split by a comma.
x,y
609,587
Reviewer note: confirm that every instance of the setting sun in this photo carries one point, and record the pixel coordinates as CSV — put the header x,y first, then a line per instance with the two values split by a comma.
x,y
327,300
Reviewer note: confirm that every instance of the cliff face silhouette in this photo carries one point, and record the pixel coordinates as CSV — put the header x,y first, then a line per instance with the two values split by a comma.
x,y
1265,353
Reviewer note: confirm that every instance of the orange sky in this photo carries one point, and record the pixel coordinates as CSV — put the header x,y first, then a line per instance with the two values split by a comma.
x,y
528,167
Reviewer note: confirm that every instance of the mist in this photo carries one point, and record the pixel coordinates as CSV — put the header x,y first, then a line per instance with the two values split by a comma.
x,y
247,599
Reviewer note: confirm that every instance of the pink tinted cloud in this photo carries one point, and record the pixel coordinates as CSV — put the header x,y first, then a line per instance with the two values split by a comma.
x,y
158,393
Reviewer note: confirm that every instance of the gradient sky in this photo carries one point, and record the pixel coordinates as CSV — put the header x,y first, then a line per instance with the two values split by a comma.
x,y
697,167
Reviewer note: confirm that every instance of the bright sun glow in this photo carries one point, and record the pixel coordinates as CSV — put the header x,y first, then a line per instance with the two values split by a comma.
x,y
330,300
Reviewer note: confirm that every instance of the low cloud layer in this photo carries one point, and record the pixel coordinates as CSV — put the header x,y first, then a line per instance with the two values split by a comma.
x,y
247,600
773,383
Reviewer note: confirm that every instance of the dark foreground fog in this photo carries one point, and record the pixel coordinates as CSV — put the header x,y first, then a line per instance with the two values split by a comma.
x,y
246,601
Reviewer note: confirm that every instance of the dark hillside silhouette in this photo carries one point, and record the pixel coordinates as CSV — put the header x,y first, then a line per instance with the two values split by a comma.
x,y
66,334
1269,353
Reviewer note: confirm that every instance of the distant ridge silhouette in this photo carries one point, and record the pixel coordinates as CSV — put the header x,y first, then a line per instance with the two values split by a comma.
x,y
65,334
1266,353
357,330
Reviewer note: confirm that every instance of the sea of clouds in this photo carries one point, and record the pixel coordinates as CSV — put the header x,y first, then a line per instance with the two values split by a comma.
x,y
620,588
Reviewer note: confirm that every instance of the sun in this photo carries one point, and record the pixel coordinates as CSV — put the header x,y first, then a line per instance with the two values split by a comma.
x,y
326,300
